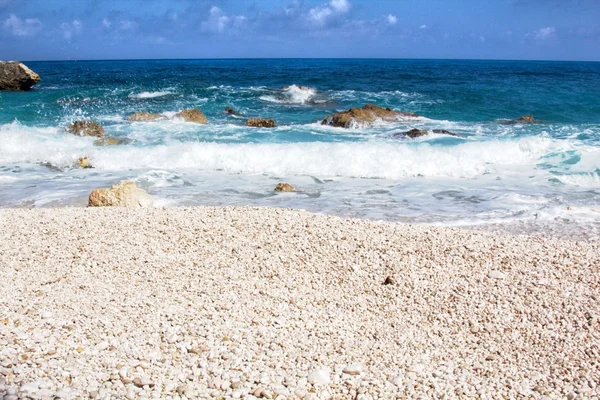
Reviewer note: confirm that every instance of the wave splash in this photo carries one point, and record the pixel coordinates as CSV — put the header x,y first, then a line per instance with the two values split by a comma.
x,y
293,94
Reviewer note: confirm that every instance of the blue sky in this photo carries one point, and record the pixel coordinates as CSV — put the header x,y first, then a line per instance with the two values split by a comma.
x,y
124,29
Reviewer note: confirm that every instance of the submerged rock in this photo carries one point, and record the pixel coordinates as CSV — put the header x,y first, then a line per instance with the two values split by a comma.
x,y
364,117
525,119
122,194
143,116
415,133
86,128
284,187
16,76
111,141
192,115
231,111
84,162
444,132
261,123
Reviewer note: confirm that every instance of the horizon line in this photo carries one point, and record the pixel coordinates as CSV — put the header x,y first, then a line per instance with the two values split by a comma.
x,y
306,58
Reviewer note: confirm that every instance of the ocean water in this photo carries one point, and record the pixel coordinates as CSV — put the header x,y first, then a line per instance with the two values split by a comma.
x,y
493,173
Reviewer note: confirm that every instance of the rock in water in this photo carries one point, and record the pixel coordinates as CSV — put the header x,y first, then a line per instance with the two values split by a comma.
x,y
86,128
261,123
364,117
122,194
84,162
16,76
192,115
111,141
415,133
444,132
526,119
230,111
284,187
143,116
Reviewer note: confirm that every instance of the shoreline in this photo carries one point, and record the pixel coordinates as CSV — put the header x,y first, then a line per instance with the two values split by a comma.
x,y
237,301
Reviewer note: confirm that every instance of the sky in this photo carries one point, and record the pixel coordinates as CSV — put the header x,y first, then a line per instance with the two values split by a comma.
x,y
456,29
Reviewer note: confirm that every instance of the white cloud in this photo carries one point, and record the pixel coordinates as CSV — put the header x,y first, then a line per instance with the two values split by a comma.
x,y
19,27
71,29
392,19
545,33
106,23
423,26
322,14
219,22
341,6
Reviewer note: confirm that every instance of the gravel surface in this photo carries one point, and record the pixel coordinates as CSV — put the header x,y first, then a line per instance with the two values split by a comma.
x,y
204,302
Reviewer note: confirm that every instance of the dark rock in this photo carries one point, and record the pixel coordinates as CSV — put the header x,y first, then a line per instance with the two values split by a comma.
x,y
16,76
389,281
261,123
364,117
231,111
86,128
415,133
525,119
284,187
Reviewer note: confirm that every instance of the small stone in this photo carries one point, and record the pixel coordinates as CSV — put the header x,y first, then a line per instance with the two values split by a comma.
x,y
284,187
389,281
353,369
143,381
84,162
319,377
495,274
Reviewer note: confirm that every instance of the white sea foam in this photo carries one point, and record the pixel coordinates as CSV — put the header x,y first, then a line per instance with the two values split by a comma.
x,y
292,94
149,95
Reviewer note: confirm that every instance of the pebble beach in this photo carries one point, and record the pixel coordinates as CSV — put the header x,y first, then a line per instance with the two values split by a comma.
x,y
241,302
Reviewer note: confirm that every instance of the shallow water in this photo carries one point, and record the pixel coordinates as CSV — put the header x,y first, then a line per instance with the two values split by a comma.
x,y
493,173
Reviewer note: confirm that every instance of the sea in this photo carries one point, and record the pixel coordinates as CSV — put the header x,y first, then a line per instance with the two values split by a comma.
x,y
496,172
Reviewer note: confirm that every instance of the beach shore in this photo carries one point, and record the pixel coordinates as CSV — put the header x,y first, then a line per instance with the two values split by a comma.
x,y
210,302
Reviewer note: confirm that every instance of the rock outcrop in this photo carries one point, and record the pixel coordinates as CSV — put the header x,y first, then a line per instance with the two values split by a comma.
x,y
415,133
111,141
364,117
261,123
84,162
122,194
525,119
284,187
86,128
192,115
16,76
143,116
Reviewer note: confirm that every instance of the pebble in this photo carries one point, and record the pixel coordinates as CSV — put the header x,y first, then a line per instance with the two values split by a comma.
x,y
495,274
353,369
319,377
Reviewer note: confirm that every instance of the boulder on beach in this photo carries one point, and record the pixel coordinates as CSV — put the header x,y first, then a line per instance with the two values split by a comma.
x,y
111,141
192,115
84,162
261,123
122,194
16,76
364,117
143,116
86,128
284,187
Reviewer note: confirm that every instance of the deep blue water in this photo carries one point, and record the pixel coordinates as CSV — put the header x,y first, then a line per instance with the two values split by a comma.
x,y
492,172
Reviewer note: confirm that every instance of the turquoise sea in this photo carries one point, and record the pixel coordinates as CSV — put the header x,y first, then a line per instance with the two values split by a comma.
x,y
494,172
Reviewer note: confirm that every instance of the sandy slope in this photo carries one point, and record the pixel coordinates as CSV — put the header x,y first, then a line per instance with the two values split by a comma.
x,y
227,302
